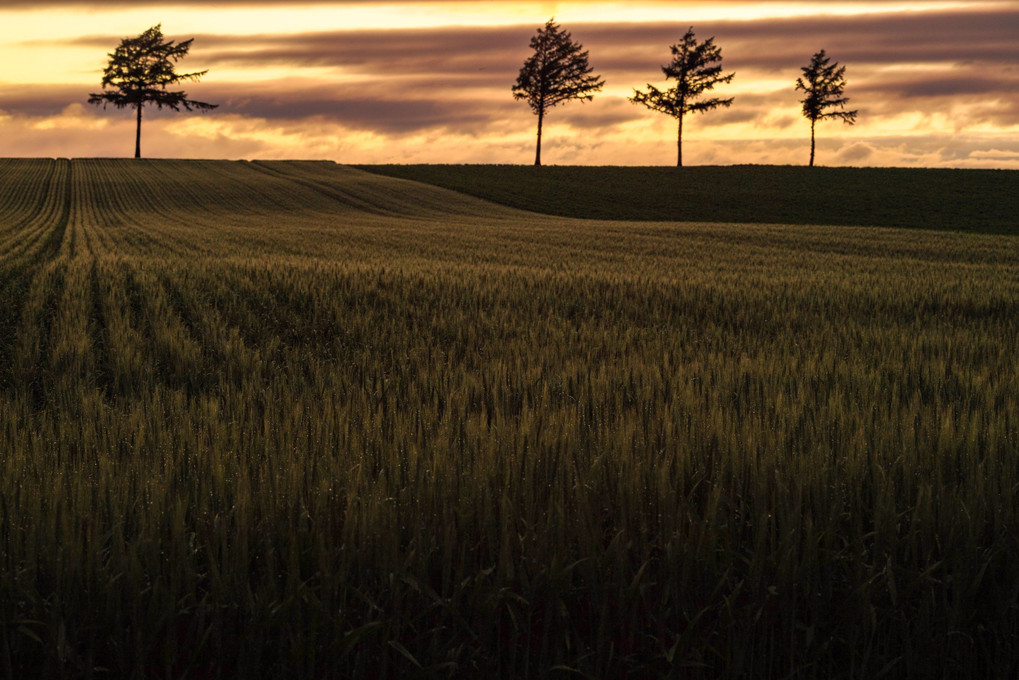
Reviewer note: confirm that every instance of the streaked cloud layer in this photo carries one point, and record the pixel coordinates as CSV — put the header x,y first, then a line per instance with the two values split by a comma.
x,y
937,83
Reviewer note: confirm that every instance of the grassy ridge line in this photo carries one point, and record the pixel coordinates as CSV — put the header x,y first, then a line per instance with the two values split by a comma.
x,y
960,200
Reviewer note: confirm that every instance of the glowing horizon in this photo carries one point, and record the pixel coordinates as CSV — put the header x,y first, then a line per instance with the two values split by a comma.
x,y
428,81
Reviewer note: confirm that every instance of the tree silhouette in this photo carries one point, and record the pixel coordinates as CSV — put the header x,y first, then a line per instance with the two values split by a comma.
x,y
139,72
557,72
696,68
823,81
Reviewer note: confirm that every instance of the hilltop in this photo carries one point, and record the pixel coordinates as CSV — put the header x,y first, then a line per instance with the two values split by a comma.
x,y
958,200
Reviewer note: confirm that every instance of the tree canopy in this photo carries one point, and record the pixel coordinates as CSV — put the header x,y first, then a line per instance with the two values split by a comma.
x,y
139,72
697,68
556,73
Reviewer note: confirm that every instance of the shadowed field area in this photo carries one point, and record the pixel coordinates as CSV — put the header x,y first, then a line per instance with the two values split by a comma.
x,y
265,420
980,201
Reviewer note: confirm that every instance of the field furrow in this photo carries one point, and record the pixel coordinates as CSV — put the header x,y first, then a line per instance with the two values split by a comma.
x,y
23,189
227,356
350,190
34,215
32,230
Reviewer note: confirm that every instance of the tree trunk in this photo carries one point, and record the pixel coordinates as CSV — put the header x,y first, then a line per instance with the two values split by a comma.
x,y
138,134
812,124
537,154
679,143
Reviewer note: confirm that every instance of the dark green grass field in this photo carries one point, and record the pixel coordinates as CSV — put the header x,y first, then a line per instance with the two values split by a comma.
x,y
297,420
960,200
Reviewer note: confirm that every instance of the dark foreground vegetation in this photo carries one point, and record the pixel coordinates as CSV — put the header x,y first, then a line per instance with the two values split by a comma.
x,y
985,201
281,420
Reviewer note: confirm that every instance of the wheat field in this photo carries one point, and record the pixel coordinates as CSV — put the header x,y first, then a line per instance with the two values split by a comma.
x,y
283,419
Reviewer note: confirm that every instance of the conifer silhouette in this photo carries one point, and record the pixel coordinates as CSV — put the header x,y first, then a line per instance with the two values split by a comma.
x,y
823,81
696,68
139,72
556,73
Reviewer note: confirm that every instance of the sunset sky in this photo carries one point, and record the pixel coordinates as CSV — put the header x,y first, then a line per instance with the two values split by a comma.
x,y
427,81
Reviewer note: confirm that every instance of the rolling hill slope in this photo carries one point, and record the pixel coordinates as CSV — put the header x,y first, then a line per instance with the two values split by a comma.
x,y
959,200
263,420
